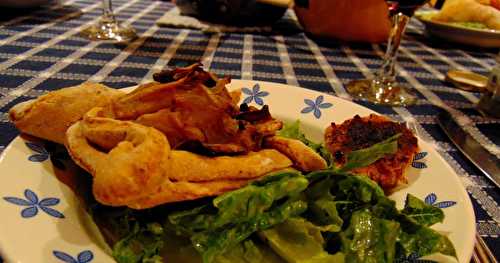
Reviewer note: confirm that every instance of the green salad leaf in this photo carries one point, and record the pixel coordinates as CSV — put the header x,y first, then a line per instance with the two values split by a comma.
x,y
422,240
322,206
422,213
234,216
245,252
369,239
299,241
367,156
371,228
214,242
142,244
240,205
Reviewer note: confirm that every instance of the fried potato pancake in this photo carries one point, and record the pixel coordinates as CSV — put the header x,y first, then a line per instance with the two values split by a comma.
x,y
362,132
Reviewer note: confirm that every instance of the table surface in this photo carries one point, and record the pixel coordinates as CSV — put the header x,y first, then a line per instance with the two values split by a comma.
x,y
40,51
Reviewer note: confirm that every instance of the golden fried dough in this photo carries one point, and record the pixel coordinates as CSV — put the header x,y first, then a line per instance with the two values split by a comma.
x,y
132,168
50,115
303,157
171,191
191,167
133,165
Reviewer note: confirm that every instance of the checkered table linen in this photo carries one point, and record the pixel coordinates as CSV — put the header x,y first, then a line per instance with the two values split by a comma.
x,y
41,51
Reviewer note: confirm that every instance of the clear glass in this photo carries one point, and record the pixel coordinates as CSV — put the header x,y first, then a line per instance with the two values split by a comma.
x,y
108,28
384,89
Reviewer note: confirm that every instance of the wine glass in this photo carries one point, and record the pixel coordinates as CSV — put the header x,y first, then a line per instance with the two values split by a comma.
x,y
108,28
383,88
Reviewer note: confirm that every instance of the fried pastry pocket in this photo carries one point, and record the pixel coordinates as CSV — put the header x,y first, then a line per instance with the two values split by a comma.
x,y
133,165
49,116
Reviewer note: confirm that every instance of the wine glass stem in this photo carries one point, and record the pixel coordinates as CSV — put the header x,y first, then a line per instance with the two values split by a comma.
x,y
387,72
107,10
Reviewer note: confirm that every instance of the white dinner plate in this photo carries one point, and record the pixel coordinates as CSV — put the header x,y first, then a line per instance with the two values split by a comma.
x,y
43,221
487,38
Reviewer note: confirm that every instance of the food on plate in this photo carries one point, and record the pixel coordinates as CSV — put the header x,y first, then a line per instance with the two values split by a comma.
x,y
134,165
305,158
328,215
363,132
181,173
50,115
470,13
192,106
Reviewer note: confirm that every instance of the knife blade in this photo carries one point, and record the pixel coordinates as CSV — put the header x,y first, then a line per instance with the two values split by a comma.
x,y
486,162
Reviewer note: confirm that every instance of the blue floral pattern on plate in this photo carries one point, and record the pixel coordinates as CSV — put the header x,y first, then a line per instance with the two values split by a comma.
x,y
254,94
431,199
33,204
418,161
316,106
41,154
83,257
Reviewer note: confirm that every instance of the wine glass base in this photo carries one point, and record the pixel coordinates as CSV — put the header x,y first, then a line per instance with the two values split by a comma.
x,y
110,31
390,93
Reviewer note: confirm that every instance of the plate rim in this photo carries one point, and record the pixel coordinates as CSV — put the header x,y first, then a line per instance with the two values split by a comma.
x,y
463,192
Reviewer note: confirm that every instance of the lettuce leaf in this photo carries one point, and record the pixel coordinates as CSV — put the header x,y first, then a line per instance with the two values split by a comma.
x,y
421,240
245,252
214,242
142,244
299,241
371,227
422,213
240,205
234,216
367,156
369,239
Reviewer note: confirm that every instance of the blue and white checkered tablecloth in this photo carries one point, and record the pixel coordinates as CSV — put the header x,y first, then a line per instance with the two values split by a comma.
x,y
40,51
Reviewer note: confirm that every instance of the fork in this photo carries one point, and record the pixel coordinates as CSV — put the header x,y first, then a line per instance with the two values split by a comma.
x,y
482,253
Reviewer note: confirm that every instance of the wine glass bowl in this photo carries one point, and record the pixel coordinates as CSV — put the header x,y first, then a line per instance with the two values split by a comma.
x,y
108,28
383,88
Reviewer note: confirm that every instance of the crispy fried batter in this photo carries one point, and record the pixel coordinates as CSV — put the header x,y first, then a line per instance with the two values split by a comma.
x,y
186,110
359,133
133,165
50,115
170,192
303,157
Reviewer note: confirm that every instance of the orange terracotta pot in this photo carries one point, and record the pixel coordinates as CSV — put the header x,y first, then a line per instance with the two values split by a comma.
x,y
350,20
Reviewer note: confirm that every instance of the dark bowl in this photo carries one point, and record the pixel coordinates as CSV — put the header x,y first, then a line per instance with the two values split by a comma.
x,y
233,12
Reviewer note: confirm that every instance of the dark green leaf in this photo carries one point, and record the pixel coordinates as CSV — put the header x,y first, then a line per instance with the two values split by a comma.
x,y
421,212
215,242
367,156
298,241
141,245
242,204
326,215
369,239
422,241
360,189
245,252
